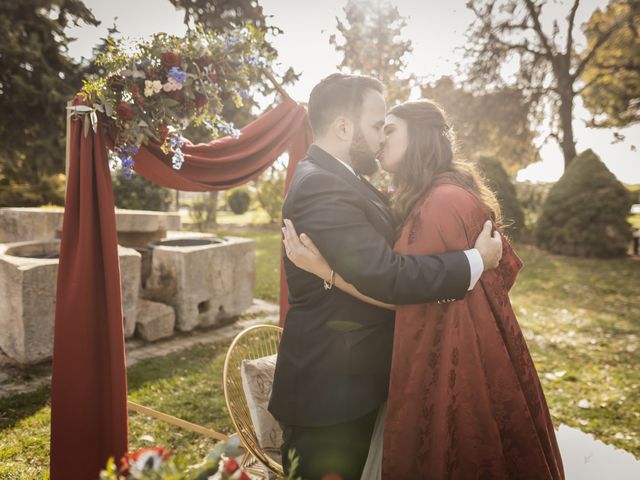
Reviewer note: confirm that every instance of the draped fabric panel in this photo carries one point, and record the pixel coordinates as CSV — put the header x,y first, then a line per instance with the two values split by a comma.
x,y
89,379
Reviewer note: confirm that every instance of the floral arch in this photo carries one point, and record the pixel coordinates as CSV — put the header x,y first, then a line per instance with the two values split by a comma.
x,y
133,115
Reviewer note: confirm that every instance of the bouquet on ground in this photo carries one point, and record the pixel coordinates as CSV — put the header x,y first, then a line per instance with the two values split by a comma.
x,y
156,463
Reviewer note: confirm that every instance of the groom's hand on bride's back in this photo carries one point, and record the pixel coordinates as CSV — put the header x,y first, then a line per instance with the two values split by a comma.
x,y
490,246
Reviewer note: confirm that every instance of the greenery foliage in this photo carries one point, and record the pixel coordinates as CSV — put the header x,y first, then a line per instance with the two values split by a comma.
x,y
531,196
138,193
270,191
550,65
612,79
585,213
37,78
493,124
203,211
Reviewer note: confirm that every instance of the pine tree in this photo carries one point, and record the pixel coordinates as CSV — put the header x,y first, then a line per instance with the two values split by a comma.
x,y
37,78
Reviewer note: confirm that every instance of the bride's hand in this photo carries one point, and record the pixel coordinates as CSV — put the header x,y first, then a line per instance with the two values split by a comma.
x,y
303,253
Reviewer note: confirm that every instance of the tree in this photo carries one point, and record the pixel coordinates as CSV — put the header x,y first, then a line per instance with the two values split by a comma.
x,y
37,78
612,79
371,45
495,124
585,213
550,68
270,191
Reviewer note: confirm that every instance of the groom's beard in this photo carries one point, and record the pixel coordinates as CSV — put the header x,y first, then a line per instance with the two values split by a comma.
x,y
363,160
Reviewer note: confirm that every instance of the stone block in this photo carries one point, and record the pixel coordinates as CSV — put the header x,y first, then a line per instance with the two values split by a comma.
x,y
155,320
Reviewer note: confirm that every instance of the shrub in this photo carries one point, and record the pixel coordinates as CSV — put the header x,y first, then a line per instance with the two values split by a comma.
x,y
49,190
531,196
138,193
270,192
204,210
498,181
585,213
239,200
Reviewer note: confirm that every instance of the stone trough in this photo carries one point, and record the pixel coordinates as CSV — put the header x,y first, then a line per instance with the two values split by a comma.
x,y
206,280
28,272
170,278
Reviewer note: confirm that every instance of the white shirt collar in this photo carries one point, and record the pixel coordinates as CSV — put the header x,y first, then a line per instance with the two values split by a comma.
x,y
349,167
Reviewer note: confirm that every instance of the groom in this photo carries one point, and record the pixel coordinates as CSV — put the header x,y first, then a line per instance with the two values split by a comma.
x,y
334,359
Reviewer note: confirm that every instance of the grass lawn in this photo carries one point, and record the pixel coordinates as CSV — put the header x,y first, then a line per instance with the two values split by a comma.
x,y
256,216
581,318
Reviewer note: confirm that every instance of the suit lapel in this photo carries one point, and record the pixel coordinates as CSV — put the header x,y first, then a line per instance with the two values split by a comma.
x,y
328,162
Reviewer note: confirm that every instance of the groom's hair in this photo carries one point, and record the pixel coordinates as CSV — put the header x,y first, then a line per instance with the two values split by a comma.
x,y
339,94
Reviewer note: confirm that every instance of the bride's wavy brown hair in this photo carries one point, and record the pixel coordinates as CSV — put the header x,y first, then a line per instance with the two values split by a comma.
x,y
430,153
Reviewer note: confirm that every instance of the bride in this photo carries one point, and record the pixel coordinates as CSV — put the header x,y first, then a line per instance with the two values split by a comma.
x,y
465,401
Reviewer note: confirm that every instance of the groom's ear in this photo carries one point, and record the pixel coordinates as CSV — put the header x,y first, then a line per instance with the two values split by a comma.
x,y
343,128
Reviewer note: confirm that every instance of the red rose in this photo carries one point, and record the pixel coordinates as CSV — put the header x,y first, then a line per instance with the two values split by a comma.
x,y
170,59
124,111
230,465
176,95
201,100
134,90
244,476
203,61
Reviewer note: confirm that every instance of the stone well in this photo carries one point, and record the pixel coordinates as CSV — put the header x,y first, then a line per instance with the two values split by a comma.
x,y
28,272
206,281
136,228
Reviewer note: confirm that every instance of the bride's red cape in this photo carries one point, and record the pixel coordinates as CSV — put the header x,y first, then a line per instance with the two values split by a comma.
x,y
465,400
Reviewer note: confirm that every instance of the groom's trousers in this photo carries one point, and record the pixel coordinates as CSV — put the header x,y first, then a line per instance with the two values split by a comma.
x,y
337,449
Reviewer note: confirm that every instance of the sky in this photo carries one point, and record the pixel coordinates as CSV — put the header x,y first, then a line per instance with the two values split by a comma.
x,y
436,29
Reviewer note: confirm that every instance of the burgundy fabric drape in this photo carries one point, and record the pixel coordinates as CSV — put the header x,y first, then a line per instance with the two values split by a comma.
x,y
89,386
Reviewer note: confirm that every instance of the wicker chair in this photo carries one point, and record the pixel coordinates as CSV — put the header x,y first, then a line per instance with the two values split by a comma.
x,y
252,343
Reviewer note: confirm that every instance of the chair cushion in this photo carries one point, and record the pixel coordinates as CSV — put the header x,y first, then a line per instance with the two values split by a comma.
x,y
257,381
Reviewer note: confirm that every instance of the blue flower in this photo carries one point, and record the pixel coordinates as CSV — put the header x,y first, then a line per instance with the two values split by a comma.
x,y
127,163
177,75
228,129
243,93
176,141
232,41
251,60
177,159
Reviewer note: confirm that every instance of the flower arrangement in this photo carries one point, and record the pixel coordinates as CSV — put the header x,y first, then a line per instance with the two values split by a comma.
x,y
156,463
156,88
